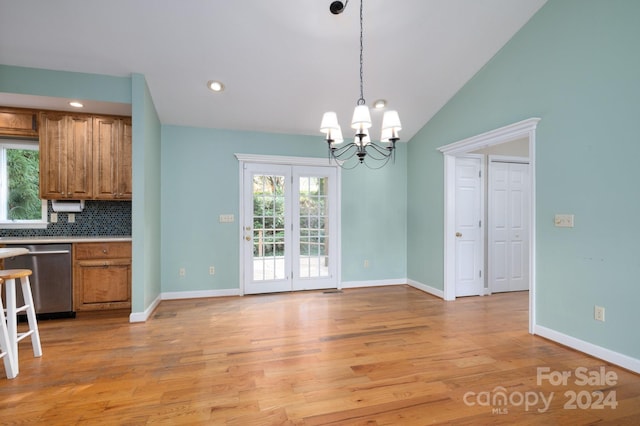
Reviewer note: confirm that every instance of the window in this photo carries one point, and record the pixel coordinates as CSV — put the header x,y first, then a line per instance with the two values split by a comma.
x,y
20,203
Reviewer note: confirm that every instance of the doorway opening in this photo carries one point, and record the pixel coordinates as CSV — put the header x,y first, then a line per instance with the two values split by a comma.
x,y
523,130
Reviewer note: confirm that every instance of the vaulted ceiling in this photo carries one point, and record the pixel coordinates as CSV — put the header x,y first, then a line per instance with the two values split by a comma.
x,y
283,63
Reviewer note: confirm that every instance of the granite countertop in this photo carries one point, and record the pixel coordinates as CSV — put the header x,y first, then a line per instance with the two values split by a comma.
x,y
63,239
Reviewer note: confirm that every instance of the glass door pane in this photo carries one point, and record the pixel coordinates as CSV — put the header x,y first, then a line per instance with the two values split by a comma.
x,y
268,227
314,227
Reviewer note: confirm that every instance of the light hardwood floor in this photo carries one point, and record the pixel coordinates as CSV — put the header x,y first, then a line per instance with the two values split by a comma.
x,y
373,356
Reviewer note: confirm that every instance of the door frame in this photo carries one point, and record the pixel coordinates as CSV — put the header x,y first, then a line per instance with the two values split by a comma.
x,y
287,161
519,130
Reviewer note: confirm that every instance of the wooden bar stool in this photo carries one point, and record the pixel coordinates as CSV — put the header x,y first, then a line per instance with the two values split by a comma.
x,y
9,276
5,345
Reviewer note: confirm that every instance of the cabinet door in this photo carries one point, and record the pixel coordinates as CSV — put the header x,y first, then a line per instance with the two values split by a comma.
x,y
18,122
53,155
125,178
106,132
79,158
105,282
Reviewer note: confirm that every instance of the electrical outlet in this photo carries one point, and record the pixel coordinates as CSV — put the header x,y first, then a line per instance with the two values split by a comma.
x,y
212,270
598,313
182,272
366,263
71,217
54,217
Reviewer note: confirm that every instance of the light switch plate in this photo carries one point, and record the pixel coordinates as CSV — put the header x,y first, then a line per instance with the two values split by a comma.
x,y
563,220
226,218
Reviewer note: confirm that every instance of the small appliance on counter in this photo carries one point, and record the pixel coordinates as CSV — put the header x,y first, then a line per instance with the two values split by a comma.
x,y
51,279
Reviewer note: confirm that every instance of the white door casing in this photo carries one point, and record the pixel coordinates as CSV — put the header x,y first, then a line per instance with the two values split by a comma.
x,y
512,132
469,196
302,252
508,224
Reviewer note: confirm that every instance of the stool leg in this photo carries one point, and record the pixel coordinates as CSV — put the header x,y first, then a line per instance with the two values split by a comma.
x,y
31,316
12,321
5,346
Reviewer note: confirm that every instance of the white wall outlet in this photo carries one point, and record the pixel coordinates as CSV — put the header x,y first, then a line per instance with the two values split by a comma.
x,y
212,270
563,221
54,218
366,263
182,272
71,217
598,313
226,218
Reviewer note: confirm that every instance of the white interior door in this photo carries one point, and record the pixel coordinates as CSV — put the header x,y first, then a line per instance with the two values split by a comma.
x,y
289,228
508,224
469,246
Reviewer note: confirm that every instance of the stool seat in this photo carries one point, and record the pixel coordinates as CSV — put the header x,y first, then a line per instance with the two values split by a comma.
x,y
9,276
12,274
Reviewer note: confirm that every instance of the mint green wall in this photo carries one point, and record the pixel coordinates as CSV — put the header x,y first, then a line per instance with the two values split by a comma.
x,y
146,200
200,181
64,84
576,66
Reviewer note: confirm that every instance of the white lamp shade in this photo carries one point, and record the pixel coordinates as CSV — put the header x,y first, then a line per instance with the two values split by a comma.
x,y
361,118
336,136
329,122
386,135
391,120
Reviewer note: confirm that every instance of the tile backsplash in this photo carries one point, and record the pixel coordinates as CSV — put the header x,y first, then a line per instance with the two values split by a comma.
x,y
99,218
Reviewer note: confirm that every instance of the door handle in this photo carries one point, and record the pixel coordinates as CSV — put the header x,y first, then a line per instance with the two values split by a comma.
x,y
248,238
458,234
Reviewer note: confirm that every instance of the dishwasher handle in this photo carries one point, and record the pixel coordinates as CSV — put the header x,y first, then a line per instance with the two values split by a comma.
x,y
42,253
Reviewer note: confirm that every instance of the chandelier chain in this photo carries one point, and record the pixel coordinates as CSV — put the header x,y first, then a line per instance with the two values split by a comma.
x,y
361,101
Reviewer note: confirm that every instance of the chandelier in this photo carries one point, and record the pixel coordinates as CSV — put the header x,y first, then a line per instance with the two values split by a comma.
x,y
373,155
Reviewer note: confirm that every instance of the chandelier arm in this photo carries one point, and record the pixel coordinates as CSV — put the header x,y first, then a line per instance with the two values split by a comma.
x,y
381,165
385,152
344,153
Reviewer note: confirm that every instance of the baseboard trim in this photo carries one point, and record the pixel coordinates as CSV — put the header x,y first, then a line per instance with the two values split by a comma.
x,y
175,295
373,283
426,288
143,316
605,354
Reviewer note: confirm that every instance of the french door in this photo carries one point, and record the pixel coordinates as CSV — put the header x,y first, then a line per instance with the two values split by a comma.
x,y
289,228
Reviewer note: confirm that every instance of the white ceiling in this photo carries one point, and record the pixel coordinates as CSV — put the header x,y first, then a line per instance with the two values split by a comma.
x,y
283,63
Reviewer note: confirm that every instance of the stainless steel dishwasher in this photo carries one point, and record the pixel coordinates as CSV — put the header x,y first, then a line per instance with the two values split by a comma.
x,y
51,282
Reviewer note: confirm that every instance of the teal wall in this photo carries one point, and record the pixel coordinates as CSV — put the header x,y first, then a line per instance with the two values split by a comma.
x,y
576,66
200,181
145,229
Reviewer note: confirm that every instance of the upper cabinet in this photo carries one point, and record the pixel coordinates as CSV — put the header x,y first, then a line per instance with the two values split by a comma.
x,y
18,122
111,158
66,156
85,157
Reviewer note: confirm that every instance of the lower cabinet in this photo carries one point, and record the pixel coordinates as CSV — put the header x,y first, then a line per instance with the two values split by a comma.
x,y
102,275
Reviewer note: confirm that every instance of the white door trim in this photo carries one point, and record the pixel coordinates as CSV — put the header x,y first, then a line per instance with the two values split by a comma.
x,y
289,161
522,129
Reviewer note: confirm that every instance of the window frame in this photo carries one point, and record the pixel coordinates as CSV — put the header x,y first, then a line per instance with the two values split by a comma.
x,y
25,144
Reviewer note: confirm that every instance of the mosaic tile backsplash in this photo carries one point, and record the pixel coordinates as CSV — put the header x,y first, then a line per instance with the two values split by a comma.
x,y
99,218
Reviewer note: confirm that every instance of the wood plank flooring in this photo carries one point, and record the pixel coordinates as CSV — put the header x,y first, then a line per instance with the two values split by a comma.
x,y
372,356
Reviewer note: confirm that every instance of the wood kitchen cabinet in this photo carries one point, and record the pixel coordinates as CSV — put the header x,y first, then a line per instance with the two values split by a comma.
x,y
112,158
66,156
18,122
102,275
85,157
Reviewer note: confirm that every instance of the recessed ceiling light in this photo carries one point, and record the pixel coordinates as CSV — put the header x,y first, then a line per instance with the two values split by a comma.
x,y
216,86
76,104
379,104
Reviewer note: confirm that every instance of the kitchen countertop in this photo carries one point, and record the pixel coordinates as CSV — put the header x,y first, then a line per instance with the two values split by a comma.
x,y
63,239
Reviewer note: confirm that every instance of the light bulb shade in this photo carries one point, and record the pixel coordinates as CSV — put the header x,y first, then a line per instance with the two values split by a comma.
x,y
361,118
391,120
386,135
336,136
329,122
